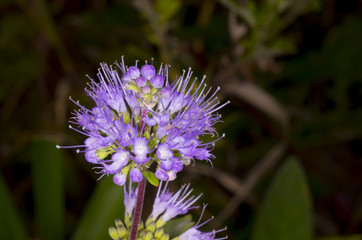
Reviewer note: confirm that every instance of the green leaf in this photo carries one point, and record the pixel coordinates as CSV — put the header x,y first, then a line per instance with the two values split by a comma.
x,y
151,177
11,226
354,237
286,211
105,205
47,177
167,8
178,226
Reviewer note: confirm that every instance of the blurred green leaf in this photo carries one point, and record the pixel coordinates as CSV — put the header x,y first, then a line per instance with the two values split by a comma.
x,y
339,56
15,36
11,226
286,211
167,8
178,226
47,176
244,11
105,205
354,237
282,45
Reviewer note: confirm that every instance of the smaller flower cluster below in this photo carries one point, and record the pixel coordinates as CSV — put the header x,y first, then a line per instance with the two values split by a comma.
x,y
166,207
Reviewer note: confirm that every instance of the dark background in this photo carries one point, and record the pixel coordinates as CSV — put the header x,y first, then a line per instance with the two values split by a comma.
x,y
293,73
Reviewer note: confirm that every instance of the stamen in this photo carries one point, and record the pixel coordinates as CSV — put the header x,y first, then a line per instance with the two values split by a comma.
x,y
75,146
219,107
77,130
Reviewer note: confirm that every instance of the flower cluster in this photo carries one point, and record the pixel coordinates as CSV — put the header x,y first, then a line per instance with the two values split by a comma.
x,y
166,207
140,118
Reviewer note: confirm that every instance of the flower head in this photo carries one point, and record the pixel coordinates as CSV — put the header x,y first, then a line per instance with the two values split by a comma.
x,y
140,118
166,207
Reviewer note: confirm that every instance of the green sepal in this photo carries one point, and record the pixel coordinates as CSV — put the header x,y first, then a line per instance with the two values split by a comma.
x,y
165,237
141,226
147,98
151,178
122,233
152,143
159,233
125,170
163,140
149,163
126,118
119,223
147,235
153,90
149,221
151,227
128,221
160,223
133,87
104,152
113,233
147,135
176,153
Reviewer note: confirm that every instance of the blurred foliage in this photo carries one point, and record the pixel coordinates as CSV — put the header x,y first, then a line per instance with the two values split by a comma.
x,y
291,68
47,180
286,210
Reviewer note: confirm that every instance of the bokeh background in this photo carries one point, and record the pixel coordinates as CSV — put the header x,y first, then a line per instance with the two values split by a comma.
x,y
290,166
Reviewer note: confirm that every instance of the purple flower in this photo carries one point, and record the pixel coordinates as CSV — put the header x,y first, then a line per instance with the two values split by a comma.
x,y
140,118
148,71
164,151
91,156
129,200
135,175
162,174
119,179
157,81
141,81
193,233
167,206
140,146
133,72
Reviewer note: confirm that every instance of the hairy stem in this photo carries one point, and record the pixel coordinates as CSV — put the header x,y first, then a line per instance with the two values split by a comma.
x,y
138,210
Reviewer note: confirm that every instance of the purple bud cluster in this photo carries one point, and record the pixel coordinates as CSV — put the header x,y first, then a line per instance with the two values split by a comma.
x,y
166,206
169,205
140,119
